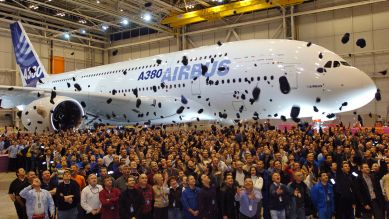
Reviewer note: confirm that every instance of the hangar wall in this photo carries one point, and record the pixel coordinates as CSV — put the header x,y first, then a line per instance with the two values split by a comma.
x,y
323,28
82,57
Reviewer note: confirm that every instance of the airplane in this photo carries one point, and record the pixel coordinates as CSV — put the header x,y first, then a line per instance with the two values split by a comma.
x,y
226,82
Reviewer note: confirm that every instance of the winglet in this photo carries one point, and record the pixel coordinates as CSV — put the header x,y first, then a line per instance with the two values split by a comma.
x,y
30,67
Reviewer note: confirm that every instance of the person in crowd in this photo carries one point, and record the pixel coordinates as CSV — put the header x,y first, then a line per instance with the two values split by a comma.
x,y
345,193
208,206
227,198
67,197
248,199
108,159
218,153
190,199
175,193
49,182
369,194
279,197
161,196
109,198
239,174
147,193
385,189
121,182
13,151
39,203
258,184
16,186
77,177
103,174
322,196
90,200
131,201
46,161
300,197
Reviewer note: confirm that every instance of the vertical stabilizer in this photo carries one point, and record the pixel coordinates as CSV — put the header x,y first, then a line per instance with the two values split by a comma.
x,y
30,67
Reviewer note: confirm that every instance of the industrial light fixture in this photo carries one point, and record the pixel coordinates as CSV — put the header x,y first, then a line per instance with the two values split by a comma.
x,y
104,27
146,16
2,0
121,10
83,31
82,21
124,21
66,36
33,7
98,1
60,14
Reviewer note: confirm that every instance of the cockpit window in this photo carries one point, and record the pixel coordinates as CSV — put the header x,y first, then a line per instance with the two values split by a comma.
x,y
328,64
345,63
336,64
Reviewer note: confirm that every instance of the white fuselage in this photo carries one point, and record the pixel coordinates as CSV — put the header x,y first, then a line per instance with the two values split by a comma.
x,y
237,68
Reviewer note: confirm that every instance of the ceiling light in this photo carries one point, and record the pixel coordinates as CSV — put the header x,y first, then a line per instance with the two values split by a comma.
x,y
66,36
121,10
33,7
146,17
60,14
83,31
97,1
82,21
125,22
104,27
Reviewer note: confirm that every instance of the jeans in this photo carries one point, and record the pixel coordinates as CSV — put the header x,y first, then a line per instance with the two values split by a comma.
x,y
68,214
298,213
175,213
277,214
376,211
324,213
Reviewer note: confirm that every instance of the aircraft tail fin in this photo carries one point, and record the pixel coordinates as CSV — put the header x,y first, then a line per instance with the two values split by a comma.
x,y
30,67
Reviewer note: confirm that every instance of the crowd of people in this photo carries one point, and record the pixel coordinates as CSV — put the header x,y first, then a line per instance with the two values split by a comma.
x,y
245,171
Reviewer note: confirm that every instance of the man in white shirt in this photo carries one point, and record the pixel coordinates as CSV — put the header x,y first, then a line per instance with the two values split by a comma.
x,y
90,201
108,158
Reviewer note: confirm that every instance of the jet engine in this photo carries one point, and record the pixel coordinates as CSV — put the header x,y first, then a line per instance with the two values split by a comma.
x,y
44,114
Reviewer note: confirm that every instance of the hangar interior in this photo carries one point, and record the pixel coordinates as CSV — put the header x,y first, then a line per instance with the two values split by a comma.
x,y
77,34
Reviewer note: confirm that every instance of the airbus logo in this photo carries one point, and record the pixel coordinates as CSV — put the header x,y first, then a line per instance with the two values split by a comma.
x,y
192,71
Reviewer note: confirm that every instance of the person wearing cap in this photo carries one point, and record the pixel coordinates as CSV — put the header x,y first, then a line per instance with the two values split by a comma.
x,y
39,203
67,197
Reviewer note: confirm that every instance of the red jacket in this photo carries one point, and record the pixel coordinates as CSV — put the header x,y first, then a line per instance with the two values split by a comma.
x,y
109,203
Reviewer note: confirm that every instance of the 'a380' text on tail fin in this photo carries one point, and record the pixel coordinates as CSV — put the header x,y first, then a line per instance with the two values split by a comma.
x,y
30,67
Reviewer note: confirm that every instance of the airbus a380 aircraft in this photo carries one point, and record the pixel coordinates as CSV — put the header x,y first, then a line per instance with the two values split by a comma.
x,y
276,79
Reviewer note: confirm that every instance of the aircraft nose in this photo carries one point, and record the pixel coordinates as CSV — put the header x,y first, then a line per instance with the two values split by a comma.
x,y
365,88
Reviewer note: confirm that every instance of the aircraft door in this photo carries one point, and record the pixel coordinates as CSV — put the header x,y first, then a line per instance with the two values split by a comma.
x,y
292,75
196,86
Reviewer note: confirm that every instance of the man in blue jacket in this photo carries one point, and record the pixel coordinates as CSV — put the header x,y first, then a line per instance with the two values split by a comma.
x,y
322,196
190,199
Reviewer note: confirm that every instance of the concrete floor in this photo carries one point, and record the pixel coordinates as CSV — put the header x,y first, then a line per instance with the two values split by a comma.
x,y
7,209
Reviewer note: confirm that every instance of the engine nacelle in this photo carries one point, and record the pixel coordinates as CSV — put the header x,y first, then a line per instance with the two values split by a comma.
x,y
42,115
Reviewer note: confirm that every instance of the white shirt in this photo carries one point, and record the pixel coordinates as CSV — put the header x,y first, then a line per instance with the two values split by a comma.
x,y
239,177
107,160
90,198
258,183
